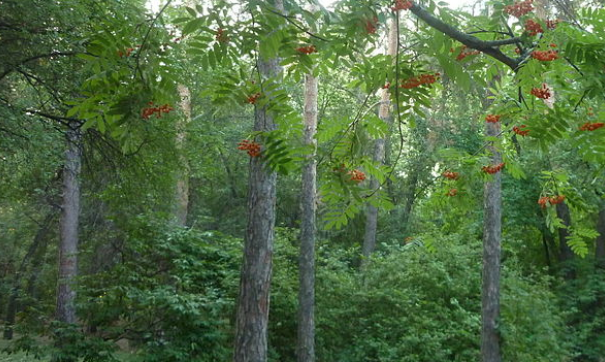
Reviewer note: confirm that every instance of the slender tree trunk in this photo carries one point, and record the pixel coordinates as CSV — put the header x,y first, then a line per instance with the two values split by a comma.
x,y
255,280
182,183
70,213
13,304
384,112
600,241
565,253
492,238
306,294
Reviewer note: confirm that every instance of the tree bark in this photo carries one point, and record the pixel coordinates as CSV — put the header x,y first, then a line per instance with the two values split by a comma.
x,y
600,241
70,213
255,279
182,182
13,305
384,112
306,294
492,238
565,253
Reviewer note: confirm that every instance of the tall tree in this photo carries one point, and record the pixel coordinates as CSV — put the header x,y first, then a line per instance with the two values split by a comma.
x,y
384,112
182,182
255,278
306,293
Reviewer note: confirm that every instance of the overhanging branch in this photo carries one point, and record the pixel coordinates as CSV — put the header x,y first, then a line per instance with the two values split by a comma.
x,y
488,47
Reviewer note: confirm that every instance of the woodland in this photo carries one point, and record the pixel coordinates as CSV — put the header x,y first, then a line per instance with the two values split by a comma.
x,y
302,180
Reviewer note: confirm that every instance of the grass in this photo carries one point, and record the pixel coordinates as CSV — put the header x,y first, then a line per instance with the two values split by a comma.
x,y
23,357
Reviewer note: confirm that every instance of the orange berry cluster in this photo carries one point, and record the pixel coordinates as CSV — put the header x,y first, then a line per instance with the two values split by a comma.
x,y
451,175
464,52
492,118
552,24
421,80
591,126
545,56
387,85
221,35
520,130
493,169
251,147
357,175
125,53
307,50
157,110
253,98
553,200
533,28
519,9
402,5
452,192
371,25
543,93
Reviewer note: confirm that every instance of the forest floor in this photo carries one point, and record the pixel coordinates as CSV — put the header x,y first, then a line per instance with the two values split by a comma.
x,y
23,357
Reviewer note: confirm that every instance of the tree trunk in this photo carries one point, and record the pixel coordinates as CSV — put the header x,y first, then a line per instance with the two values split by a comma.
x,y
182,182
13,305
565,253
384,112
255,279
492,237
306,294
70,213
600,241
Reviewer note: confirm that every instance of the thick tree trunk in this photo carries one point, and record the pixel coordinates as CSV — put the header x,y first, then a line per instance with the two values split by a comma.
x,y
255,279
13,305
492,238
70,213
600,241
306,294
384,112
182,182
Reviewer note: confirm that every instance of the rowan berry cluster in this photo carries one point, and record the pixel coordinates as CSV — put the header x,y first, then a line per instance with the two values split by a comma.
x,y
493,169
221,35
253,98
420,80
357,175
251,147
125,53
466,52
402,5
519,9
543,93
492,118
552,200
451,175
545,56
520,130
307,50
552,24
371,25
533,28
157,110
452,192
591,126
387,85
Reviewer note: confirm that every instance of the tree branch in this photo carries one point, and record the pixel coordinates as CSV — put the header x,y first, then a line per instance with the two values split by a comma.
x,y
487,47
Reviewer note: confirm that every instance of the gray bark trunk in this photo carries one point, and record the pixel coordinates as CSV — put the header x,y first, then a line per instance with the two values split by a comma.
x,y
600,241
492,238
384,112
70,213
182,182
306,295
255,280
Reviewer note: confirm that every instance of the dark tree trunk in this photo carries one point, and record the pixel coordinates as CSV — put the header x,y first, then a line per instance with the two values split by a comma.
x,y
371,224
306,295
566,255
70,213
255,280
13,305
600,241
492,238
